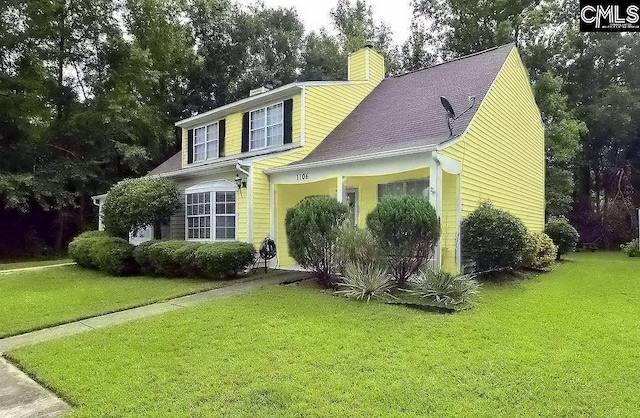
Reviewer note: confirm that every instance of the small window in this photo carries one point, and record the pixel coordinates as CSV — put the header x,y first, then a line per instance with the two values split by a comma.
x,y
266,127
419,187
205,142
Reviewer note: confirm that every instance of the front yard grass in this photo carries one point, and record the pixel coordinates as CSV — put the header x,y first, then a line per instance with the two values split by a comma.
x,y
41,298
562,344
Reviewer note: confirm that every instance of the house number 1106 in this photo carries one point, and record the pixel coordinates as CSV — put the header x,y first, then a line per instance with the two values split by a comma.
x,y
302,176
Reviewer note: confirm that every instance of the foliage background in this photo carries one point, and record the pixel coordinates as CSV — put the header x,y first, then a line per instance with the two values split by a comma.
x,y
89,92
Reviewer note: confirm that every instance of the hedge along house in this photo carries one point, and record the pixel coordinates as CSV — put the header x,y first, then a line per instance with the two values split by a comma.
x,y
361,140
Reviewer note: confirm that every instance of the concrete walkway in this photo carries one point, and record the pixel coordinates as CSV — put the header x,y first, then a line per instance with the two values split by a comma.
x,y
21,397
21,269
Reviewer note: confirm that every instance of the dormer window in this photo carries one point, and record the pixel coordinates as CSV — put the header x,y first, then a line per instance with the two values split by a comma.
x,y
266,127
205,142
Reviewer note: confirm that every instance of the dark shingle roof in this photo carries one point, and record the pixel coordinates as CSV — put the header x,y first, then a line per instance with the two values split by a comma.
x,y
405,111
172,164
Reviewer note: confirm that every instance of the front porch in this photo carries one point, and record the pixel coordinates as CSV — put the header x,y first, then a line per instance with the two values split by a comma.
x,y
362,185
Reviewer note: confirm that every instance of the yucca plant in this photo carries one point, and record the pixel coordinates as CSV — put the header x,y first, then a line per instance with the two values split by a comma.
x,y
365,281
443,289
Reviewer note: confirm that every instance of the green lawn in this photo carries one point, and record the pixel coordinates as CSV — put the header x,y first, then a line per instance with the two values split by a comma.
x,y
40,298
37,263
563,344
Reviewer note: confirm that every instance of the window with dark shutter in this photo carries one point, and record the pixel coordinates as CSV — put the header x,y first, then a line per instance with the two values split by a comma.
x,y
245,132
189,146
222,130
288,122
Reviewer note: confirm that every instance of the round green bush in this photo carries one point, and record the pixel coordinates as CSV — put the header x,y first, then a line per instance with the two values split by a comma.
x,y
540,251
312,228
563,234
162,261
80,248
135,203
114,256
407,229
493,238
185,257
223,260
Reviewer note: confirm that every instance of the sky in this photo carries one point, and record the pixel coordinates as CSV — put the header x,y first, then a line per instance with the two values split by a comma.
x,y
315,13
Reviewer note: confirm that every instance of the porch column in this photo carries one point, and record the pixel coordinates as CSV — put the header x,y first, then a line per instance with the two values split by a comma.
x,y
340,188
435,198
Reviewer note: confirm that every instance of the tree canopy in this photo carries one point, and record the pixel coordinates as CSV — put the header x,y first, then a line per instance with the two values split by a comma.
x,y
90,90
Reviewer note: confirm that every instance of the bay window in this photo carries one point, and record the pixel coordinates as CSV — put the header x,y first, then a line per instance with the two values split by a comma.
x,y
211,213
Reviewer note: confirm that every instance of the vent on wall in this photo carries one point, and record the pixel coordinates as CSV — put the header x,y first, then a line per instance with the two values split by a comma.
x,y
259,90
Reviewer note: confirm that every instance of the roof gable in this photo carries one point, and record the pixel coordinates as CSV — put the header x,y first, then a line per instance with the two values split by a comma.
x,y
405,111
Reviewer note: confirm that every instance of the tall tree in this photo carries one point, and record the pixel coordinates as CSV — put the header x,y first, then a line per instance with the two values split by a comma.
x,y
357,27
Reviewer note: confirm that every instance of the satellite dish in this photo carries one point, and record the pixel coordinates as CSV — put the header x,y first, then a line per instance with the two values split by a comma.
x,y
451,114
447,106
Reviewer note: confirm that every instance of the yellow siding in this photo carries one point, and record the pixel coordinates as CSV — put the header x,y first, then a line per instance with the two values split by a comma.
x,y
368,189
358,65
326,107
233,134
286,197
502,152
449,222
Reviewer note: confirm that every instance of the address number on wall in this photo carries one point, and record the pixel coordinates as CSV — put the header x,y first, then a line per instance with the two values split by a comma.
x,y
302,176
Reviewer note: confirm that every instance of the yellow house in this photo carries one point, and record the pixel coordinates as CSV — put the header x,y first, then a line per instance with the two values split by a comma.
x,y
243,165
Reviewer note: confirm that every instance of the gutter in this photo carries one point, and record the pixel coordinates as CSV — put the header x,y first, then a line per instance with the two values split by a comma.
x,y
366,157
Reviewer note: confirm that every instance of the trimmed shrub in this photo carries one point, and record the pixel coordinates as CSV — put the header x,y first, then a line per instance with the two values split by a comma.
x,y
365,281
540,251
185,257
313,226
224,259
141,255
631,248
135,203
407,229
442,289
357,246
493,238
162,261
113,256
563,234
81,246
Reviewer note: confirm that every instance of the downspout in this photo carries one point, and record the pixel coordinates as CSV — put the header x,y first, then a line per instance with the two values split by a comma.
x,y
249,199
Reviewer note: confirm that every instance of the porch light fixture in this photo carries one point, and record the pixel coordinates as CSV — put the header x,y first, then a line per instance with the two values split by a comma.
x,y
239,182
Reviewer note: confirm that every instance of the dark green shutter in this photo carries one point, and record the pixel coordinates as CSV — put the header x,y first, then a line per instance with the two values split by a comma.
x,y
245,132
222,131
288,121
189,146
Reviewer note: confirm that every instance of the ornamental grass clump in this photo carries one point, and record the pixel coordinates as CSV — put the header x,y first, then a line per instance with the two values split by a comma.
x,y
366,282
359,246
443,289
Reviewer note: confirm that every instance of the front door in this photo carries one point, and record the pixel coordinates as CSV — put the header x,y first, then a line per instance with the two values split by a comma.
x,y
352,203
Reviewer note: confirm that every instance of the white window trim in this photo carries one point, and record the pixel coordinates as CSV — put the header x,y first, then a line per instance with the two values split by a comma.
x,y
211,187
404,181
207,142
281,123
